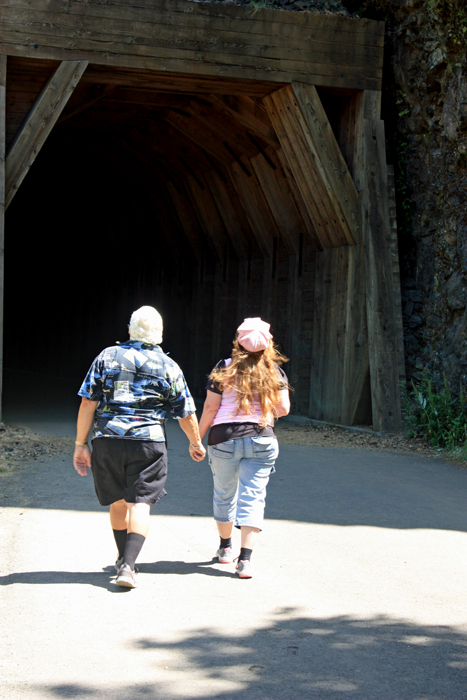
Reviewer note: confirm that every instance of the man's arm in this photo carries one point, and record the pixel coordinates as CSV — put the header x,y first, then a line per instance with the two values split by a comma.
x,y
82,454
189,425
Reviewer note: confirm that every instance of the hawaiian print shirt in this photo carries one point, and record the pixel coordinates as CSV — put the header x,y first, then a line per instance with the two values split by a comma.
x,y
136,385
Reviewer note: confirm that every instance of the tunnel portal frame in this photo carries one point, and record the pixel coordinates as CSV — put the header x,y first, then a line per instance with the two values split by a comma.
x,y
306,91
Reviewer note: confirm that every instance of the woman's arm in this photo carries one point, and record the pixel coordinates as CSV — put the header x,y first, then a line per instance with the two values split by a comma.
x,y
283,405
210,408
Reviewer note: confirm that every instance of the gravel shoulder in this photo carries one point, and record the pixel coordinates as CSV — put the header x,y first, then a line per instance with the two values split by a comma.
x,y
19,445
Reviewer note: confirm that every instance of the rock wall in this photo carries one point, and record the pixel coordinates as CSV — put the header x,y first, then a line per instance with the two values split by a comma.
x,y
425,111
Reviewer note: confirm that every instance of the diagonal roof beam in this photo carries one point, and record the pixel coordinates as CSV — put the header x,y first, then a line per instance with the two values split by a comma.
x,y
42,118
316,162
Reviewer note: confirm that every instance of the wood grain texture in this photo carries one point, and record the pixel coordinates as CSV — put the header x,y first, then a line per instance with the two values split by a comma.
x,y
277,194
396,272
3,73
316,162
380,296
256,208
41,120
201,38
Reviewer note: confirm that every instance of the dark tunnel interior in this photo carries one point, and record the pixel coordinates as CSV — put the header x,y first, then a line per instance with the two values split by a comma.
x,y
83,250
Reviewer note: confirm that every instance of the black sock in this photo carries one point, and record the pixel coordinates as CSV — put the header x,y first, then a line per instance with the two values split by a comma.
x,y
120,541
226,542
245,554
134,544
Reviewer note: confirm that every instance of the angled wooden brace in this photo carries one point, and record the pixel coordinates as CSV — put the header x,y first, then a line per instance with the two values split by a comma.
x,y
316,162
3,61
39,123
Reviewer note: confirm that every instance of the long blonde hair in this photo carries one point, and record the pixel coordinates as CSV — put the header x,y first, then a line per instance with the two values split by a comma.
x,y
254,376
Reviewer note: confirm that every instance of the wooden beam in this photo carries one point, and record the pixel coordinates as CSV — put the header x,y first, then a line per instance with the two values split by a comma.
x,y
277,194
204,39
296,195
208,215
255,206
396,272
383,329
3,66
83,99
231,211
317,163
249,113
40,122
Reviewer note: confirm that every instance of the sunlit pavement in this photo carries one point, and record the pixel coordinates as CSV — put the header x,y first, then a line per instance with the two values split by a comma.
x,y
358,591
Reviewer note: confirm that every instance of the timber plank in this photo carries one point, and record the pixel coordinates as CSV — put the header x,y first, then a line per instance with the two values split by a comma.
x,y
204,135
187,218
396,272
317,74
281,204
255,206
208,215
283,114
227,128
298,199
44,114
3,75
335,173
231,211
107,49
382,330
206,40
249,113
217,18
117,31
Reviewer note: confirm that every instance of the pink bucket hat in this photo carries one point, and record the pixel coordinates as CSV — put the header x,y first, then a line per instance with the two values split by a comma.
x,y
254,335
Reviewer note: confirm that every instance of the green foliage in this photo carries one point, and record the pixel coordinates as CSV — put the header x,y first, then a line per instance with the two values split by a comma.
x,y
436,413
449,18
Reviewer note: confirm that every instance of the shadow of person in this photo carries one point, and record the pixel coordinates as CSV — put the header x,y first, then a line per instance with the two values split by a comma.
x,y
183,568
96,578
88,578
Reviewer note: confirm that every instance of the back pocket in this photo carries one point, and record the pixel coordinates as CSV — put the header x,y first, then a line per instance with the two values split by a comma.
x,y
224,450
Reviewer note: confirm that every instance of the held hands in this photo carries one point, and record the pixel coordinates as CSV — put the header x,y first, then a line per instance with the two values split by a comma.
x,y
82,459
197,452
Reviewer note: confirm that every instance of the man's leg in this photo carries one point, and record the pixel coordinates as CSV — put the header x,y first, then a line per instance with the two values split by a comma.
x,y
119,523
138,526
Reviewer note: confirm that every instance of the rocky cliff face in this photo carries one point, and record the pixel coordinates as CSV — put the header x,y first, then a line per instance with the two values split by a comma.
x,y
427,41
425,110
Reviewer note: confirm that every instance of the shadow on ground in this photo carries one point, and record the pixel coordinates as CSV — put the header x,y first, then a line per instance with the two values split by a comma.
x,y
301,657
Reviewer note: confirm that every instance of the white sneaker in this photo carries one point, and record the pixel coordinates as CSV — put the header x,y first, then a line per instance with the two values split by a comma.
x,y
126,577
243,569
225,555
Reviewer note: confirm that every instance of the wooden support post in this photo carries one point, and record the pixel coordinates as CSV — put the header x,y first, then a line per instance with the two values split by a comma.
x,y
372,182
3,62
316,161
396,272
40,122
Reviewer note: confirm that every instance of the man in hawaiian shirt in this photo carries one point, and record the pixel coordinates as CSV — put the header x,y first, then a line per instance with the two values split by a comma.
x,y
126,396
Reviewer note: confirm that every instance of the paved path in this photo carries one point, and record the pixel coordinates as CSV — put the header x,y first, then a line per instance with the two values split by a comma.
x,y
359,589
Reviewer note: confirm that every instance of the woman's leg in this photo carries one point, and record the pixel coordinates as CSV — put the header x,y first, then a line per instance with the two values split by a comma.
x,y
224,466
224,530
249,536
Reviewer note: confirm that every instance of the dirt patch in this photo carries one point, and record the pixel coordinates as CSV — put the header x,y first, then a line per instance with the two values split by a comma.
x,y
289,433
19,445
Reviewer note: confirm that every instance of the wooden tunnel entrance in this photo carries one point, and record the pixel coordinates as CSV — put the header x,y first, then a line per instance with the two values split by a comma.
x,y
214,186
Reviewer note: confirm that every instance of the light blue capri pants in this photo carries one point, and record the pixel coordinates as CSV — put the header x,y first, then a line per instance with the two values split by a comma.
x,y
241,470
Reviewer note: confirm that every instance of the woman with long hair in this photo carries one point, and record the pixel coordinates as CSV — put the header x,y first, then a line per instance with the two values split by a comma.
x,y
245,394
